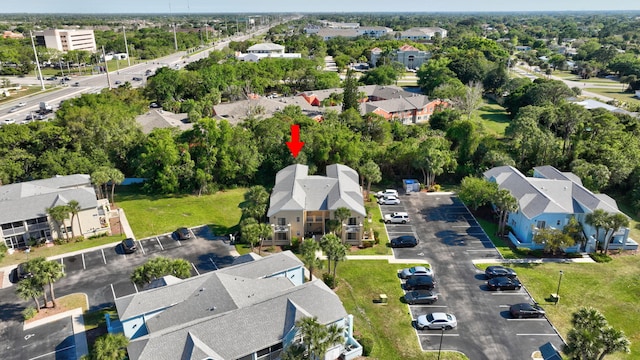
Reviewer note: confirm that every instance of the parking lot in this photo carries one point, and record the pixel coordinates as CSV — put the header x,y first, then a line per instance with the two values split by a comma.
x,y
450,238
103,275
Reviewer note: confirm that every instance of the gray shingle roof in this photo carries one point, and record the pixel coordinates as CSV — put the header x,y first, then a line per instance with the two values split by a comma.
x,y
267,308
29,200
296,190
558,193
265,47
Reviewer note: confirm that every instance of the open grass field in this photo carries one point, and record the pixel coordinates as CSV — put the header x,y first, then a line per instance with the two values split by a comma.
x,y
616,94
494,118
150,215
388,327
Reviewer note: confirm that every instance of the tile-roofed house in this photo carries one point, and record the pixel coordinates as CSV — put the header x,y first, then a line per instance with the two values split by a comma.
x,y
548,200
301,204
221,315
23,209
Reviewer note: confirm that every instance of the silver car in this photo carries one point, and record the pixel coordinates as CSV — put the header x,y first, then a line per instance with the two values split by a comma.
x,y
415,270
437,320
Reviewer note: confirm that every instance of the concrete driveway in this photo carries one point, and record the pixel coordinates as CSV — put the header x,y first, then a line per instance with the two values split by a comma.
x,y
450,238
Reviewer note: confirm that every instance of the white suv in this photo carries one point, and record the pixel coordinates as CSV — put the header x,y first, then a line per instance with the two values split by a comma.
x,y
397,218
387,192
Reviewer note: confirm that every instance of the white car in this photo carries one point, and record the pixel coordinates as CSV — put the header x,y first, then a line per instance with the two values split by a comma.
x,y
8,121
389,200
387,192
22,104
437,320
397,218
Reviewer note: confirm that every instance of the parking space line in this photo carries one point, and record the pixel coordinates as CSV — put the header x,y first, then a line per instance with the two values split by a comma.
x,y
113,291
104,258
179,243
142,248
419,334
429,306
480,250
504,306
214,264
534,319
460,226
537,334
194,268
135,287
62,263
503,293
84,265
53,352
159,243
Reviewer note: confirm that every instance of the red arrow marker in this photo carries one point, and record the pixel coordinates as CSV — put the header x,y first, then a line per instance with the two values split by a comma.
x,y
295,145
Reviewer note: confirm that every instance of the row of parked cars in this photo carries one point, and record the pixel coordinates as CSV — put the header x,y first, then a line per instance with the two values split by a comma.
x,y
129,245
504,278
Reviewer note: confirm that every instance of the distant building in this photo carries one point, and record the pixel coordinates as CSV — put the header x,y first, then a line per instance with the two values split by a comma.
x,y
422,33
409,56
65,40
11,35
260,51
331,30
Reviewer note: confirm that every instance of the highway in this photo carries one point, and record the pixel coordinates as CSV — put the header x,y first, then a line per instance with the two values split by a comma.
x,y
95,83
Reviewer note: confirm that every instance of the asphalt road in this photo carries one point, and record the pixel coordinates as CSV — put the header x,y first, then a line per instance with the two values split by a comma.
x,y
449,239
103,275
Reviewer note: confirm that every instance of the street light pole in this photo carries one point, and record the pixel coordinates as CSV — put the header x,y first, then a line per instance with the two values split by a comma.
x,y
125,45
35,54
558,290
440,347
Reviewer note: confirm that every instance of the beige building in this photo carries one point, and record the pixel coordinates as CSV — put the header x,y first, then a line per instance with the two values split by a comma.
x,y
65,40
301,204
24,217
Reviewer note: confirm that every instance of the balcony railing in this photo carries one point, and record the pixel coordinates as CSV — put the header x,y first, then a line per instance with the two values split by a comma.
x,y
280,228
353,228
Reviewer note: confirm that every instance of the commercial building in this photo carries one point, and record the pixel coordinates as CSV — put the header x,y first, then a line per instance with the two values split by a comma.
x,y
65,40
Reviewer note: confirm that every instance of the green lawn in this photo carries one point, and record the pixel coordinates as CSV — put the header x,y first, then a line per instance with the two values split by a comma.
x,y
494,118
613,288
616,94
150,215
26,91
377,225
387,326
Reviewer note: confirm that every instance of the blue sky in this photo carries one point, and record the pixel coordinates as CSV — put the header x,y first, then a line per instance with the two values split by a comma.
x,y
256,6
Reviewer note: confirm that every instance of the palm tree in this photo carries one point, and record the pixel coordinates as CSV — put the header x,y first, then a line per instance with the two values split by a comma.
x,y
116,177
613,223
312,335
309,248
341,214
30,289
506,203
59,214
597,219
264,231
335,335
110,347
99,178
35,266
74,209
50,272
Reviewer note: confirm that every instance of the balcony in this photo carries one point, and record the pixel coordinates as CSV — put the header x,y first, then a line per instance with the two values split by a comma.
x,y
353,228
280,228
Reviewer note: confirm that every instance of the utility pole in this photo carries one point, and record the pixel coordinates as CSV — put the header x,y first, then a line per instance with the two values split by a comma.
x,y
106,68
35,53
126,46
175,38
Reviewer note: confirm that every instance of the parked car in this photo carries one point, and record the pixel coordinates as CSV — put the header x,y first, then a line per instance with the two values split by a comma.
x,y
389,200
386,192
129,246
420,282
397,218
41,117
526,310
7,122
504,283
404,241
183,233
415,270
22,273
420,297
495,271
437,320
30,117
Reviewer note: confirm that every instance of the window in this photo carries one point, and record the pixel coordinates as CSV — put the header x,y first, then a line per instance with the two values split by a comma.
x,y
352,221
282,221
297,218
541,224
558,223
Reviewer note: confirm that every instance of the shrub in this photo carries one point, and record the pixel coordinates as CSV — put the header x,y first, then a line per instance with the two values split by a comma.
x,y
367,243
376,235
295,244
329,280
600,258
436,187
367,345
29,312
60,241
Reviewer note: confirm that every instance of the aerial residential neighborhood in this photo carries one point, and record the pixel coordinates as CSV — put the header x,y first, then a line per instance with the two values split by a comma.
x,y
251,181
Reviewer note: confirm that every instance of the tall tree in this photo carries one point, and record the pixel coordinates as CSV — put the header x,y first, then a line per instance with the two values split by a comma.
x,y
613,223
342,214
74,209
59,214
256,200
476,192
574,229
30,288
264,232
250,231
116,177
597,219
110,347
308,250
50,272
350,94
471,100
506,203
433,158
591,337
371,173
553,240
99,178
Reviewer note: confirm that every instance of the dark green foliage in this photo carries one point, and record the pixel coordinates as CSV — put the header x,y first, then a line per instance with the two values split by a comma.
x,y
600,258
